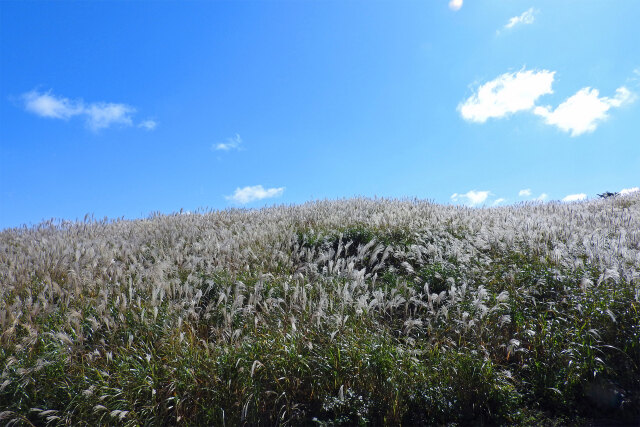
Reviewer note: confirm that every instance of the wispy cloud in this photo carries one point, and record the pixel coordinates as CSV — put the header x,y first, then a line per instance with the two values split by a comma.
x,y
583,112
527,17
455,4
97,115
234,143
253,193
499,200
471,198
528,193
626,191
47,105
507,94
148,124
102,115
574,197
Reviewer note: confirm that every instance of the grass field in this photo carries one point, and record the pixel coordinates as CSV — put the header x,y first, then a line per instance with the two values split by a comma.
x,y
350,312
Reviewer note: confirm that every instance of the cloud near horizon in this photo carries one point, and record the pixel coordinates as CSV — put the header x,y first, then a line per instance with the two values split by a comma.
x,y
575,197
471,198
528,193
507,94
97,115
583,112
252,193
631,190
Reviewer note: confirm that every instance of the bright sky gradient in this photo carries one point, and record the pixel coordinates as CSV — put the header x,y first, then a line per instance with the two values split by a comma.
x,y
121,109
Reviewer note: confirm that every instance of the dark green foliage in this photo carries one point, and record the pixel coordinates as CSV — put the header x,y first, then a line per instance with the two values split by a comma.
x,y
607,194
436,275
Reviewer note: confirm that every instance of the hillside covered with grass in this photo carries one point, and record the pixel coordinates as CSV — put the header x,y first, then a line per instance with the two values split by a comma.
x,y
335,312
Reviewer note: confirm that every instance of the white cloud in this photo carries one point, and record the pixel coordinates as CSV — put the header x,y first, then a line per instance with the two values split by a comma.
x,y
513,92
148,124
471,198
583,112
98,115
626,191
102,115
507,94
542,197
231,144
527,17
455,4
574,197
498,201
525,193
252,193
47,105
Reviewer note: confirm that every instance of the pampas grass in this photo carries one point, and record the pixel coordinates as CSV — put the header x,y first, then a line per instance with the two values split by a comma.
x,y
335,312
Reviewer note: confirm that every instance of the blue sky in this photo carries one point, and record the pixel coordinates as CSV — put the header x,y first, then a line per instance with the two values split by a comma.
x,y
121,109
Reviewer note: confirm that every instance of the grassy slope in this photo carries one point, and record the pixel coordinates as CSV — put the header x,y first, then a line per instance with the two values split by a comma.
x,y
348,312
